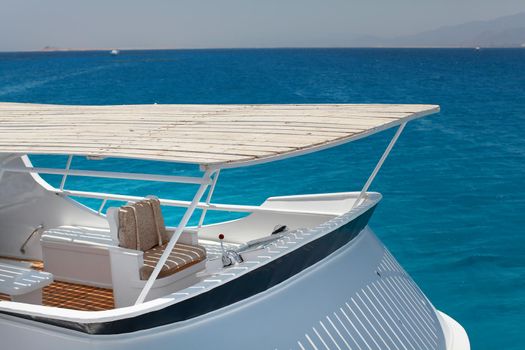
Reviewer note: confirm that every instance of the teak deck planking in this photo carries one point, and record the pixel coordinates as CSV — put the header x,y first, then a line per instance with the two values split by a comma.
x,y
72,296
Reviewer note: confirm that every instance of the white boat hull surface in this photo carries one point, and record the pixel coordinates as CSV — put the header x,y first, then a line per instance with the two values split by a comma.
x,y
357,298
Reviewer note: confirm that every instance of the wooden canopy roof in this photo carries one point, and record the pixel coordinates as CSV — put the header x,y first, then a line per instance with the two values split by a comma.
x,y
218,135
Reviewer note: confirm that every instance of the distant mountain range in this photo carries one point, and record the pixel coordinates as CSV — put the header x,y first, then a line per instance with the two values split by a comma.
x,y
508,31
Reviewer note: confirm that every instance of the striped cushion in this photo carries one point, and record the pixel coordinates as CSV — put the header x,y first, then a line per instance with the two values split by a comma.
x,y
181,257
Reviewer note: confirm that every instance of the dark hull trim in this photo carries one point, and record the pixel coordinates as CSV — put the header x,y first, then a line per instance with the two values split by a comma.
x,y
241,288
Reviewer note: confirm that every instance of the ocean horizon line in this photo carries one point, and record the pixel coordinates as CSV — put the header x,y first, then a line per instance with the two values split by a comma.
x,y
44,50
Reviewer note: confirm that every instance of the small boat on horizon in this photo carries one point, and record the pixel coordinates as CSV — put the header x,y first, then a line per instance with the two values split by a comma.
x,y
114,52
295,272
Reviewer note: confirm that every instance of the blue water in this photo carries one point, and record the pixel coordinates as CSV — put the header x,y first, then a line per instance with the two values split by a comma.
x,y
453,211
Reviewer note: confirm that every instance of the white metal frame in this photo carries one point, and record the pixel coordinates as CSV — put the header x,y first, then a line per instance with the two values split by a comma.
x,y
145,177
362,194
106,174
208,198
210,177
68,166
184,204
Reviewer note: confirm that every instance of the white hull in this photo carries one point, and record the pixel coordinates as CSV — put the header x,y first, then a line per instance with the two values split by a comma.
x,y
341,302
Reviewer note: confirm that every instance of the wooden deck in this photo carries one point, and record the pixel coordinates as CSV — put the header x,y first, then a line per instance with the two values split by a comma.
x,y
73,296
78,297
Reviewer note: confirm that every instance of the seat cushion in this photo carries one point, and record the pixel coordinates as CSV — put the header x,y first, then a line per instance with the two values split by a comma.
x,y
181,257
159,218
141,225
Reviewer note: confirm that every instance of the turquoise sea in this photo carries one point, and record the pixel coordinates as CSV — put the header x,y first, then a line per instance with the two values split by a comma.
x,y
453,211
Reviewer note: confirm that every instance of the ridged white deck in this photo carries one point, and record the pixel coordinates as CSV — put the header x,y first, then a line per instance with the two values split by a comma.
x,y
199,134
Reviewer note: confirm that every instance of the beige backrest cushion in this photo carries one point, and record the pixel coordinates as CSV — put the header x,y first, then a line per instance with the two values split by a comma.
x,y
141,225
155,204
127,229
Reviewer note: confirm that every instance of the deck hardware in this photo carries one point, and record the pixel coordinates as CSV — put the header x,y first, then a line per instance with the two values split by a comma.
x,y
279,228
229,257
232,257
226,261
37,229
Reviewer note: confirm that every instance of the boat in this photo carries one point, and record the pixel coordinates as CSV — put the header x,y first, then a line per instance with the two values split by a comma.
x,y
295,272
114,52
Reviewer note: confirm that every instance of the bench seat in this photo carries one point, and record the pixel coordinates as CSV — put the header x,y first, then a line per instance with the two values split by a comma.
x,y
78,254
23,284
81,235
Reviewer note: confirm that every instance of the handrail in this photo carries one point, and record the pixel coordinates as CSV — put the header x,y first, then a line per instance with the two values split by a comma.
x,y
184,204
109,174
23,247
149,177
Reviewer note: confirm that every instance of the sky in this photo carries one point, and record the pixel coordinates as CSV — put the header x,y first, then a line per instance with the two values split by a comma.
x,y
35,24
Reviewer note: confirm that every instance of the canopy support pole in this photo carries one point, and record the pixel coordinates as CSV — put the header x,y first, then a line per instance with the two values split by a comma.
x,y
64,177
174,238
379,164
208,198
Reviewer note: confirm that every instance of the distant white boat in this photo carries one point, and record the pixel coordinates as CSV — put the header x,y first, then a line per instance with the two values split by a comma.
x,y
478,48
114,52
